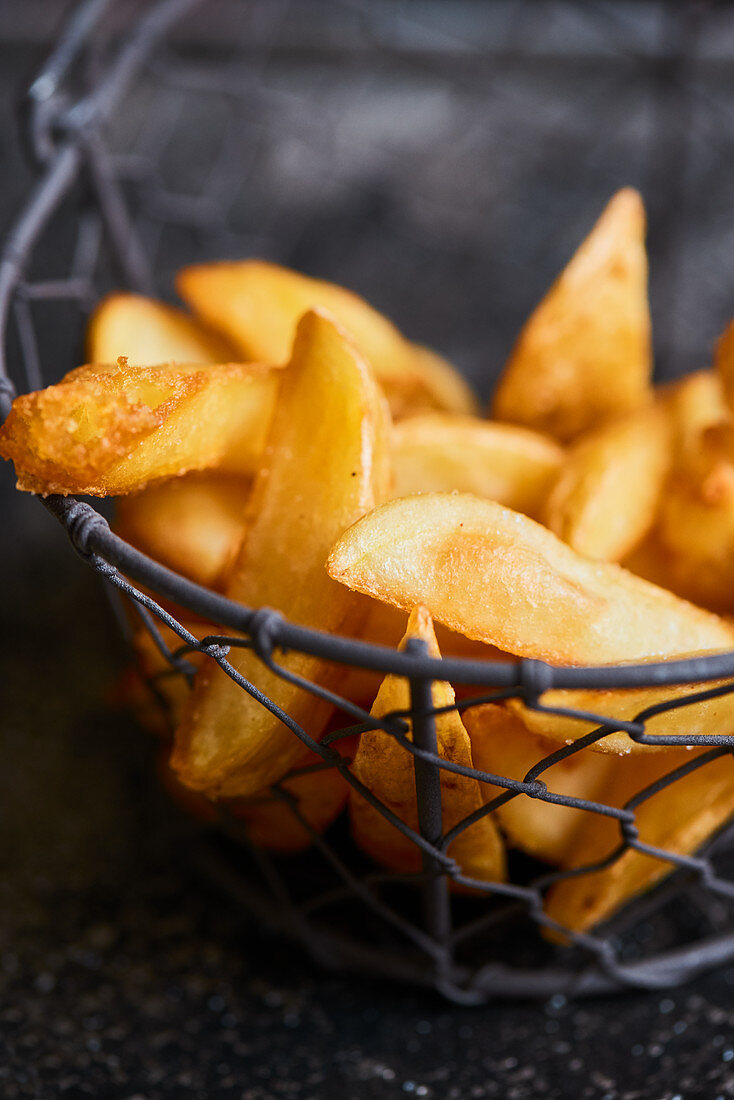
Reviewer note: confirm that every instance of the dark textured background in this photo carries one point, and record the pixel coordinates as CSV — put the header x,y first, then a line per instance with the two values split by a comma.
x,y
122,973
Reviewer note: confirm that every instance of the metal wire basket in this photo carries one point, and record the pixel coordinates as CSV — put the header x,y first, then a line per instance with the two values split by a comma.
x,y
121,199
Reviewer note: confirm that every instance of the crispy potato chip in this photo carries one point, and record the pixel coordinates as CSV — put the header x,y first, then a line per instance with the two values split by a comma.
x,y
585,354
256,305
193,524
501,744
606,496
501,578
387,770
440,452
273,820
327,463
679,818
147,332
108,430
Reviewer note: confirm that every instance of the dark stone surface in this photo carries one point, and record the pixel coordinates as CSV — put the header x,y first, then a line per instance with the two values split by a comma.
x,y
122,974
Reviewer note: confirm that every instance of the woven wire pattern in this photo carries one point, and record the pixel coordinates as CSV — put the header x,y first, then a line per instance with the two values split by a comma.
x,y
117,196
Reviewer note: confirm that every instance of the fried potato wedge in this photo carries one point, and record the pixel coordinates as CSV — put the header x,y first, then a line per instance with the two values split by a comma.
x,y
283,822
501,744
724,363
193,524
386,770
679,819
440,452
502,579
700,718
442,386
585,354
605,498
691,404
314,799
327,463
695,527
384,624
110,430
256,306
165,684
647,560
147,332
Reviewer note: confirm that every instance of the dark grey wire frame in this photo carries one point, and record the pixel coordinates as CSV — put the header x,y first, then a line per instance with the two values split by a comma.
x,y
65,143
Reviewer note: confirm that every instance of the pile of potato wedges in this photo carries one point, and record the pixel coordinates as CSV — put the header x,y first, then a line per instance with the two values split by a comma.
x,y
282,442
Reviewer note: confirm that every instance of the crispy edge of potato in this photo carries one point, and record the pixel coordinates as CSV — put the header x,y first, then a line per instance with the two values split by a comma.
x,y
111,429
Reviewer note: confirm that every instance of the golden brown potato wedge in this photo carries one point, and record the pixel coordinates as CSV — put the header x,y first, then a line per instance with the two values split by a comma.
x,y
272,821
147,332
501,744
703,718
384,624
440,452
163,682
679,818
585,354
442,386
109,430
647,560
695,527
327,463
724,363
193,524
502,579
605,498
386,770
256,306
691,404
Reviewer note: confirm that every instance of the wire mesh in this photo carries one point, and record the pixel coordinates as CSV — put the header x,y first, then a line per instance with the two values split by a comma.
x,y
121,198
